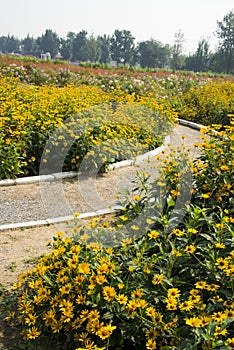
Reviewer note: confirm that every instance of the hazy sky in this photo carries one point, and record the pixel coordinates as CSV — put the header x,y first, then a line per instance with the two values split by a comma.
x,y
157,19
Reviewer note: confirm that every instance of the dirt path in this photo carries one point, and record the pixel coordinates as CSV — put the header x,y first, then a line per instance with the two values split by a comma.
x,y
19,248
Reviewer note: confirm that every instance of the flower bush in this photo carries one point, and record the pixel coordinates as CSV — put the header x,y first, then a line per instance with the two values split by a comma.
x,y
152,278
209,104
29,115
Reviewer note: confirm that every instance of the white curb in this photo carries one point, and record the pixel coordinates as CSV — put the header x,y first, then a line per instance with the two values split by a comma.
x,y
71,174
28,224
191,125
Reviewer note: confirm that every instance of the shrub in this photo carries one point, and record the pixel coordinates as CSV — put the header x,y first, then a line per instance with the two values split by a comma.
x,y
209,104
29,115
152,278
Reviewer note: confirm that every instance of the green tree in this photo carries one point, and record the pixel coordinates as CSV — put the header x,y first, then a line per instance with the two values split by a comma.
x,y
177,51
79,42
200,61
152,53
49,42
104,46
9,44
91,49
225,33
29,46
66,48
122,47
3,40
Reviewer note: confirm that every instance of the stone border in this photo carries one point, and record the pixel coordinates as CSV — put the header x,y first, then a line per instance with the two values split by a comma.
x,y
28,224
123,163
72,174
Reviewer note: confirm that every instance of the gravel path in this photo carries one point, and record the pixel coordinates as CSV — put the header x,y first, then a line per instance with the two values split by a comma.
x,y
21,203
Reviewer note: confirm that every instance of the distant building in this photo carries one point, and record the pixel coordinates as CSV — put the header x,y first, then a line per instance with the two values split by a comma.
x,y
46,56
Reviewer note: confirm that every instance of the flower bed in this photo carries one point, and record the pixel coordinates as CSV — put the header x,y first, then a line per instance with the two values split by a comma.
x,y
158,276
30,115
165,284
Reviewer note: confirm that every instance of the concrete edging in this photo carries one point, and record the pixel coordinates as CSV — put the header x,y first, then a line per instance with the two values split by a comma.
x,y
72,174
61,219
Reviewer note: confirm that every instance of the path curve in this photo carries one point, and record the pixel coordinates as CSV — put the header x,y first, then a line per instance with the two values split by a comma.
x,y
40,201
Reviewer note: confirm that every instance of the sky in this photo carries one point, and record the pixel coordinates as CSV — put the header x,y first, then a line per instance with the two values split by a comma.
x,y
146,19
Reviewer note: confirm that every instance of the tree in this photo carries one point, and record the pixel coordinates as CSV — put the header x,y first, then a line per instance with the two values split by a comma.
x,y
49,42
29,46
152,53
66,48
177,51
103,43
78,45
122,46
9,44
91,49
3,40
225,33
200,61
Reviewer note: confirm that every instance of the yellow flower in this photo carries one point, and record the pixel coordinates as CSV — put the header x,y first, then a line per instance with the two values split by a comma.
x,y
206,195
222,263
186,305
138,293
135,227
100,279
151,333
176,253
105,331
201,285
33,333
122,299
173,292
149,221
125,242
150,311
150,344
171,303
124,218
220,245
224,167
157,279
142,303
219,331
229,313
212,287
178,232
49,317
153,234
136,198
230,342
65,289
30,319
84,268
192,230
190,249
219,316
81,299
194,322
109,293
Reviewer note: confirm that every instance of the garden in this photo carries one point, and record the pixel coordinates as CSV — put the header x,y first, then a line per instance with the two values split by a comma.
x,y
159,273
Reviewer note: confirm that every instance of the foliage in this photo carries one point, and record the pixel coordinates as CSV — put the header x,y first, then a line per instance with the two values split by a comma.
x,y
210,103
165,286
225,33
30,115
122,46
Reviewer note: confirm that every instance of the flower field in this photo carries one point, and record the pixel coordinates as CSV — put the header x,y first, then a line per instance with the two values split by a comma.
x,y
38,98
159,275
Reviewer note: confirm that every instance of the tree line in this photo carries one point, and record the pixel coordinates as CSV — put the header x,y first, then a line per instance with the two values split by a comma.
x,y
122,49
